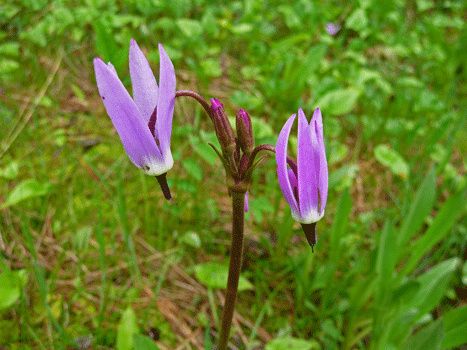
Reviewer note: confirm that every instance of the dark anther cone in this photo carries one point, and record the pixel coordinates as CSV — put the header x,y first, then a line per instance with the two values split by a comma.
x,y
310,233
162,179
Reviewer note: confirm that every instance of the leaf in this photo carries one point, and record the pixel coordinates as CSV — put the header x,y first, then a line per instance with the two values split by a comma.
x,y
107,48
11,283
433,285
290,343
9,48
418,211
428,338
192,168
126,328
455,325
357,20
311,62
441,225
27,189
192,239
393,160
10,172
8,66
386,259
214,275
338,102
339,226
189,27
144,343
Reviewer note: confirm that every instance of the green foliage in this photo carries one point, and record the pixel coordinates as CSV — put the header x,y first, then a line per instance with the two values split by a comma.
x,y
83,234
127,329
214,275
27,189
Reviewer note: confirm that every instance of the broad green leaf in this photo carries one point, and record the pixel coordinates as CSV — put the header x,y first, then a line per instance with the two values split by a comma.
x,y
126,328
393,160
192,239
242,28
441,225
10,172
9,48
214,275
8,66
211,68
433,285
343,177
418,211
192,168
107,47
291,18
357,20
144,343
203,150
428,338
339,225
338,102
261,129
189,27
386,259
405,292
11,283
290,343
455,328
27,189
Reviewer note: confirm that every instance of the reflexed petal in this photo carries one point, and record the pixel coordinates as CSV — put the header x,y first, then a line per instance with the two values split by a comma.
x,y
281,160
144,83
317,124
165,102
307,175
132,129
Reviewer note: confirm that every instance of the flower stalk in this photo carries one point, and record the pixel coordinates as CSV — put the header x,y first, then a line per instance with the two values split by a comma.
x,y
236,253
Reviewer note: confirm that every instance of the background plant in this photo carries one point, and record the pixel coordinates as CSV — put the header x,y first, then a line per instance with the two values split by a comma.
x,y
89,244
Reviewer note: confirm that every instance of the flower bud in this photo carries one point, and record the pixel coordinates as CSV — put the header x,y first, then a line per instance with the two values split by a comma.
x,y
245,132
224,131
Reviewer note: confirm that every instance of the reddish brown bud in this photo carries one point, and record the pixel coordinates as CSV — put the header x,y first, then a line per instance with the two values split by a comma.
x,y
245,132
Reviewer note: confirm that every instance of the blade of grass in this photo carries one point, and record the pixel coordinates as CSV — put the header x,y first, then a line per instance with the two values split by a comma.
x,y
436,232
102,259
122,213
41,280
420,208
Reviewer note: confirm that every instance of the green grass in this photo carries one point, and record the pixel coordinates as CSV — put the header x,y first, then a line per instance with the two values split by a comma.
x,y
86,237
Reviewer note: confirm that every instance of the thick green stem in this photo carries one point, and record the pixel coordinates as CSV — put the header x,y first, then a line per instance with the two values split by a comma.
x,y
238,211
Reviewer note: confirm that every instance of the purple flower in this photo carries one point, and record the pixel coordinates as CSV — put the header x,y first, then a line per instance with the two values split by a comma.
x,y
305,188
332,29
143,123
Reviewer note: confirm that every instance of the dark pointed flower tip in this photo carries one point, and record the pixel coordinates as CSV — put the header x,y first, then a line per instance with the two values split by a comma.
x,y
310,233
162,179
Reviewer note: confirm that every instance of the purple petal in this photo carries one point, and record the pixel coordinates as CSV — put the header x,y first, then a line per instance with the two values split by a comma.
x,y
307,176
132,129
332,29
281,160
143,82
317,124
165,102
293,181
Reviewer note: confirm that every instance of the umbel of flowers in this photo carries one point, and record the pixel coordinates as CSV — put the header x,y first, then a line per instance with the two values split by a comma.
x,y
144,124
